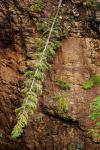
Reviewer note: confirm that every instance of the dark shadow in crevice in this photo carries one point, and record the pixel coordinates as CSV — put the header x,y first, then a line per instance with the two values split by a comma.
x,y
72,123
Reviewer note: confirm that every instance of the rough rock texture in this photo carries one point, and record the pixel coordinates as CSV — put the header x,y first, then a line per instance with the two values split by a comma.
x,y
75,61
74,65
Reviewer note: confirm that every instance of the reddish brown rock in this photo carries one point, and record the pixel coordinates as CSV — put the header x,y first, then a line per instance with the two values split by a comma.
x,y
74,62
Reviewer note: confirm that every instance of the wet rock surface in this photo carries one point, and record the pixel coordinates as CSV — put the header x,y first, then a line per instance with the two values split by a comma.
x,y
75,61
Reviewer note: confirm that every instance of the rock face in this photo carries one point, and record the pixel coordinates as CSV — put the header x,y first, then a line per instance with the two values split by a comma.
x,y
75,61
74,64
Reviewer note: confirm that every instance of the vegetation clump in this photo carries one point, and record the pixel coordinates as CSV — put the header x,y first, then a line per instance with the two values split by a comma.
x,y
69,147
90,4
95,116
44,28
33,79
53,45
65,11
29,73
88,84
63,84
95,80
63,102
36,6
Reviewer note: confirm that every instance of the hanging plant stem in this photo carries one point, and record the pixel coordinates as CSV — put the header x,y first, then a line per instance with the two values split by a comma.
x,y
34,86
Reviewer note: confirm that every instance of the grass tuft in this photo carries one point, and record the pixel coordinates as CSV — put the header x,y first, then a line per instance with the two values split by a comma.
x,y
63,103
63,84
37,6
88,84
97,79
95,116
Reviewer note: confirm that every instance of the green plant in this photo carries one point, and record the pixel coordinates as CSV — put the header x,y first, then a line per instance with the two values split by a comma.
x,y
90,4
69,147
95,132
88,84
63,84
29,73
62,100
36,6
65,11
95,115
96,79
96,109
44,28
53,45
60,34
33,80
40,43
